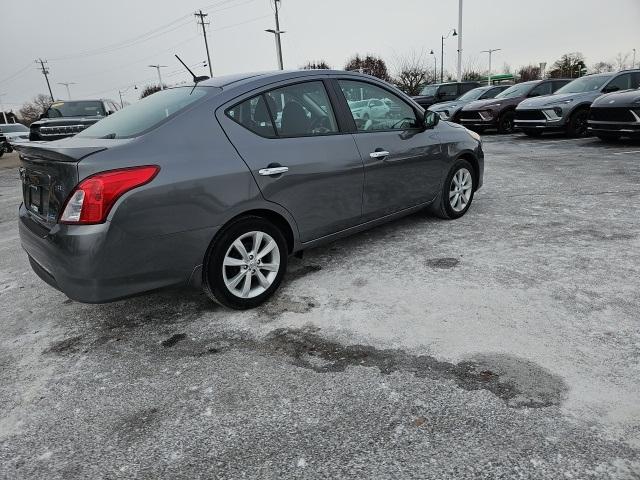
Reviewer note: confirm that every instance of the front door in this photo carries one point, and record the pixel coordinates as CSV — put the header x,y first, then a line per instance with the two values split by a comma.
x,y
290,139
402,160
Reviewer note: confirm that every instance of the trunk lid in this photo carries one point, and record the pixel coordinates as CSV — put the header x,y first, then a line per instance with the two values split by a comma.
x,y
48,174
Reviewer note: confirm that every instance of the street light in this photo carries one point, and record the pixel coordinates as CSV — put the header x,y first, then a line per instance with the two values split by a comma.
x,y
452,33
435,66
490,51
66,84
158,67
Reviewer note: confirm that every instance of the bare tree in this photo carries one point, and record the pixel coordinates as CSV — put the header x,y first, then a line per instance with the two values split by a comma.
x,y
471,69
316,65
529,72
411,72
31,111
621,61
568,65
370,65
149,89
602,67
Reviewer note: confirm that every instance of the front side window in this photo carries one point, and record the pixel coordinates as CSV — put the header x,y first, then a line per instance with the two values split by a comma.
x,y
374,108
515,91
86,108
146,114
621,82
492,92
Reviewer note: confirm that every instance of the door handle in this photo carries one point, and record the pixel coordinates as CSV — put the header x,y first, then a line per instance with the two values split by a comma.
x,y
379,154
272,171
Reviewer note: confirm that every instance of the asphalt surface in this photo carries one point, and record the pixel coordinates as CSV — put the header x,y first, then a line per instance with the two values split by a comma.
x,y
502,345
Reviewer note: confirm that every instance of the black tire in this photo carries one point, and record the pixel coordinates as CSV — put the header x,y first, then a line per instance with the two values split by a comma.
x,y
441,206
505,122
213,279
577,126
532,133
609,137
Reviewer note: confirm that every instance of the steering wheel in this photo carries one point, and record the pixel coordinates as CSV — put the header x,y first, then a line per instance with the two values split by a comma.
x,y
320,125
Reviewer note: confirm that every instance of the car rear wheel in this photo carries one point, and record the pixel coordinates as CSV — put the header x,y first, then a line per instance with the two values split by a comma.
x,y
457,192
505,123
577,126
245,263
609,137
532,133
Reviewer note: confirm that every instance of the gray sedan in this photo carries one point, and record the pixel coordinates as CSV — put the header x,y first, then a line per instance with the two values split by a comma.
x,y
216,184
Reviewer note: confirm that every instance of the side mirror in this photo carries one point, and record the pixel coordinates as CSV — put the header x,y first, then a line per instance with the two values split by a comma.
x,y
431,119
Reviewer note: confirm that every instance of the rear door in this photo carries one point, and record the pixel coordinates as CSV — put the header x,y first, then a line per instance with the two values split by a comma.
x,y
301,159
401,159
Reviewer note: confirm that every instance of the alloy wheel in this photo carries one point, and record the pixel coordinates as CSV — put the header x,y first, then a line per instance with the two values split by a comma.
x,y
251,264
460,190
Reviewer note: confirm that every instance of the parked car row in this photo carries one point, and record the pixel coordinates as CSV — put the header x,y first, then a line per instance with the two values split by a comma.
x,y
606,104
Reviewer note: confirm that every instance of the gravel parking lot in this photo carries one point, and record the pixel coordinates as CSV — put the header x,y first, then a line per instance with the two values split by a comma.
x,y
502,345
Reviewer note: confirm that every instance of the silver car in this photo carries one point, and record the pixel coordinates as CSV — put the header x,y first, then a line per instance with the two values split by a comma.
x,y
200,185
568,109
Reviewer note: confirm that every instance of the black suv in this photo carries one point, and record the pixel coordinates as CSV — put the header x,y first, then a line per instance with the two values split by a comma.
x,y
66,118
616,115
443,92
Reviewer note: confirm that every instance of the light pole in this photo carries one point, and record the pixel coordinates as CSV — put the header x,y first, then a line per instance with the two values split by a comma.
x,y
158,67
452,32
459,72
633,65
490,51
277,33
435,66
120,92
66,84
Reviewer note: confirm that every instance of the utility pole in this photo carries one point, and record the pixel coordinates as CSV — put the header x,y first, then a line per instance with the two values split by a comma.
x,y
4,115
459,73
45,72
158,67
435,66
633,65
66,84
201,15
490,51
277,33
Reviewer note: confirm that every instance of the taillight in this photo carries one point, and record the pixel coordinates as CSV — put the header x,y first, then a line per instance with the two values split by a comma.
x,y
94,196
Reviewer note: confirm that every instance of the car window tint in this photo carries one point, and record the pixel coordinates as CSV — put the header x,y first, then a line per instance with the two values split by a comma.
x,y
467,86
492,92
558,84
635,80
622,82
388,112
146,114
448,90
542,89
254,115
302,109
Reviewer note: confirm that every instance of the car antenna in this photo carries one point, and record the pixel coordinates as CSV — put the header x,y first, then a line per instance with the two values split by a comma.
x,y
196,79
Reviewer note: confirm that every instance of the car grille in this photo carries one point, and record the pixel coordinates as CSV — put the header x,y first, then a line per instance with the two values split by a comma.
x,y
612,115
470,115
529,115
62,130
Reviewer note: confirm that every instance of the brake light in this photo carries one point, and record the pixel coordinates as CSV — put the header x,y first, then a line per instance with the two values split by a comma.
x,y
92,199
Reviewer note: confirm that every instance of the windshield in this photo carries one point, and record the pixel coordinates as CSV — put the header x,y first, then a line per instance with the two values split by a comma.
x,y
145,114
590,83
429,90
474,94
16,127
518,90
75,109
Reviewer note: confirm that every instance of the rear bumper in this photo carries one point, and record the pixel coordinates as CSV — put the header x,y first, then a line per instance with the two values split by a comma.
x,y
101,263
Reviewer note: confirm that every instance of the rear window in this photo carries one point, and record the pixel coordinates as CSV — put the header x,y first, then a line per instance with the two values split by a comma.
x,y
146,114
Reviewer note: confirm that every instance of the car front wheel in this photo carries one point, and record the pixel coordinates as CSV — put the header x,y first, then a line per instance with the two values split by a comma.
x,y
245,264
457,192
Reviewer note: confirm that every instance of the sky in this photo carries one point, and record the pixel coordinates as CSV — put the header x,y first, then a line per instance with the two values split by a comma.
x,y
105,46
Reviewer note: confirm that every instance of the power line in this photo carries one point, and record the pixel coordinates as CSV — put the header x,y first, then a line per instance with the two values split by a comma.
x,y
12,76
204,34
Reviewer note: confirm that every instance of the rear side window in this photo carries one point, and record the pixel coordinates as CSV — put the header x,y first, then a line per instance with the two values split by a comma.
x,y
465,87
254,115
559,84
448,91
298,110
146,114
